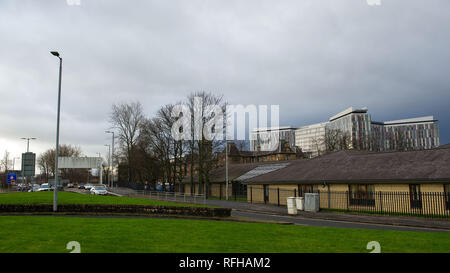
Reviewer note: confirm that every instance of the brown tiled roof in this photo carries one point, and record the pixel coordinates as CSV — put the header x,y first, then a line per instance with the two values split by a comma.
x,y
359,166
234,171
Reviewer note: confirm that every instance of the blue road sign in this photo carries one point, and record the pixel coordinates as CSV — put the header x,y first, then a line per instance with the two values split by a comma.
x,y
12,178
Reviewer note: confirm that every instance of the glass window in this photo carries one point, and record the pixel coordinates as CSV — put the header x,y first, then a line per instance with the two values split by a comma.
x,y
306,188
415,196
362,194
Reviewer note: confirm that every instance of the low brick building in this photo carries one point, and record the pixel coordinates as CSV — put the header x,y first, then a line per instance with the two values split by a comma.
x,y
236,172
401,181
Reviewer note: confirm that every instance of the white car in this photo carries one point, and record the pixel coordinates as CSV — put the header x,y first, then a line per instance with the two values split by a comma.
x,y
88,187
99,190
44,187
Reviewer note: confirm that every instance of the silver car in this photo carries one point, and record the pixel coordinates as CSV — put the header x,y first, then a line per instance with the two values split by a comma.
x,y
99,190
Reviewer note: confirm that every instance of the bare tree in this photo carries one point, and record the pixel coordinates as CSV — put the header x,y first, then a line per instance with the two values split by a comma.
x,y
203,152
336,140
156,135
151,152
127,119
4,167
5,162
401,143
241,145
318,142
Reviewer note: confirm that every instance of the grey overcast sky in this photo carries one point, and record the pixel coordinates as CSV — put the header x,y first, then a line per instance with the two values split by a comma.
x,y
312,57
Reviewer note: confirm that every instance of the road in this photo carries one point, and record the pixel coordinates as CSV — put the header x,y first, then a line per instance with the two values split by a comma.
x,y
302,221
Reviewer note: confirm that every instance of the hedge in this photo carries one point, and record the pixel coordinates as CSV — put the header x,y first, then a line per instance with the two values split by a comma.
x,y
120,209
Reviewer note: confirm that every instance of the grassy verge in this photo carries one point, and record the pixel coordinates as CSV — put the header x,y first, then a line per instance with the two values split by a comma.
x,y
51,234
76,198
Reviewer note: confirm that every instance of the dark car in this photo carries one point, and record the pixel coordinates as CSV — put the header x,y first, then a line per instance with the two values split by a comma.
x,y
81,187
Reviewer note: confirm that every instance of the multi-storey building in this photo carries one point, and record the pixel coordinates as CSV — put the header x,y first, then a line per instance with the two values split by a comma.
x,y
361,133
311,138
354,124
406,134
286,134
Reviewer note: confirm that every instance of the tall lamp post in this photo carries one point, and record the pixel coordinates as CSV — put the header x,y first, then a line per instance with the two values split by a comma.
x,y
100,168
226,169
55,192
112,158
28,142
109,164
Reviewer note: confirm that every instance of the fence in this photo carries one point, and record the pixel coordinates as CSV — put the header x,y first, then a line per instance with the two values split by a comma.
x,y
426,204
164,196
131,185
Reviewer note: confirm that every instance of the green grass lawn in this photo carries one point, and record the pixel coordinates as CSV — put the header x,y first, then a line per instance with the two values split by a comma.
x,y
77,198
51,234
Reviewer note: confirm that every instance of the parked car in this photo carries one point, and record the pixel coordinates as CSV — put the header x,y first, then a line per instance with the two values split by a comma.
x,y
81,187
99,190
45,187
70,185
34,188
88,187
22,188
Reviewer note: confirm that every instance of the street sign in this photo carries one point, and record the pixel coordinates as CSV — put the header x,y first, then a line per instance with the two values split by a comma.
x,y
12,178
28,164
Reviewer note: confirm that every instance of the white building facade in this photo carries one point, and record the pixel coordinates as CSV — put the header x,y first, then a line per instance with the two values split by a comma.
x,y
286,135
311,138
363,133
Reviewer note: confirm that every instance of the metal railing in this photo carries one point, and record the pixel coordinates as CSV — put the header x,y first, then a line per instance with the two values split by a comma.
x,y
424,204
163,195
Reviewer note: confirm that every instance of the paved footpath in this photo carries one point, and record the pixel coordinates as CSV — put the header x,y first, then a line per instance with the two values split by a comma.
x,y
325,219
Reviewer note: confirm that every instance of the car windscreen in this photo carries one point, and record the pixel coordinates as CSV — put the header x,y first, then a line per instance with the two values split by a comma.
x,y
99,188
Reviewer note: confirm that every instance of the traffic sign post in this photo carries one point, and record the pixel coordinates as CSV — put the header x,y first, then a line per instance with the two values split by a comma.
x,y
28,164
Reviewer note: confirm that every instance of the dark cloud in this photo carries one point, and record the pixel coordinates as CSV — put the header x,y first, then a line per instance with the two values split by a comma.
x,y
314,58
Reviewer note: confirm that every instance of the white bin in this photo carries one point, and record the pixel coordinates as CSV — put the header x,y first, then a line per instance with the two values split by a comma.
x,y
292,209
300,201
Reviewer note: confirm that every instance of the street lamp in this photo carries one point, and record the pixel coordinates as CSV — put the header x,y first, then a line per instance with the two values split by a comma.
x,y
55,192
100,168
28,142
112,158
226,169
109,164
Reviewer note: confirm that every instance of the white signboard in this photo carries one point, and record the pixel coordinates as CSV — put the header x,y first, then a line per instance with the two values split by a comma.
x,y
79,162
82,163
